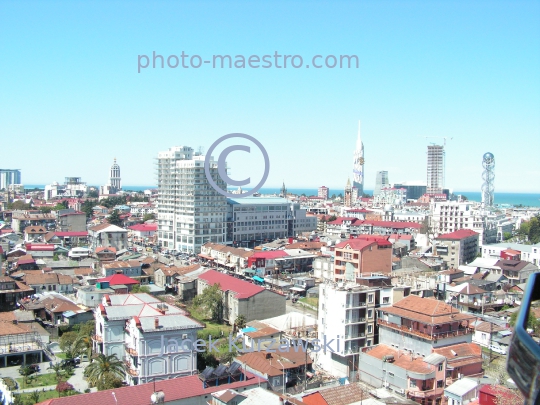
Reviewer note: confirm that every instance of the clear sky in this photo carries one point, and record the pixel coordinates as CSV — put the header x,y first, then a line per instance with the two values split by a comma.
x,y
71,97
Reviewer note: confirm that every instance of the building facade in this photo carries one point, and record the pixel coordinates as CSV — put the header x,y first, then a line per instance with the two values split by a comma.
x,y
381,181
9,177
190,211
457,248
358,164
435,169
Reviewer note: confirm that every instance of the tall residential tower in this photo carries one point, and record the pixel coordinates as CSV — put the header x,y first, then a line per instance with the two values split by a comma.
x,y
190,211
358,168
381,182
435,169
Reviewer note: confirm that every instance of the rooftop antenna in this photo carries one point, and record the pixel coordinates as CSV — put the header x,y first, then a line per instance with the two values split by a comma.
x,y
200,150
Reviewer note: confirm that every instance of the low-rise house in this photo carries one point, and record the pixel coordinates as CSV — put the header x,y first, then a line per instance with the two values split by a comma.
x,y
49,281
108,235
51,307
484,332
117,281
264,263
167,277
105,254
11,291
41,250
91,296
469,297
130,268
243,298
34,233
142,231
258,335
462,391
517,271
273,366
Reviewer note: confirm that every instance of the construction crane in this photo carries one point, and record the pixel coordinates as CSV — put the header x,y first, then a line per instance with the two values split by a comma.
x,y
440,137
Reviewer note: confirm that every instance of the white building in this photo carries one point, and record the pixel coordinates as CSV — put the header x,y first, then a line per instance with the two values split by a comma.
x,y
346,314
392,196
450,216
115,181
8,177
72,187
190,211
529,253
148,335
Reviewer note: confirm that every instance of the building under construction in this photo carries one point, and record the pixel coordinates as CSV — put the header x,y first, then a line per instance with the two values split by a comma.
x,y
435,169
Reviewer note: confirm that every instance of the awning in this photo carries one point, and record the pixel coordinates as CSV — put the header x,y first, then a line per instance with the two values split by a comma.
x,y
297,289
232,266
205,257
257,278
249,271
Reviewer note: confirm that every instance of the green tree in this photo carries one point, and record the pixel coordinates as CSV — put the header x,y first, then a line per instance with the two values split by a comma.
x,y
240,322
34,396
19,205
148,217
17,400
67,340
93,194
332,218
59,206
104,369
88,208
55,257
532,322
57,368
45,210
140,289
507,235
25,372
210,302
114,218
534,229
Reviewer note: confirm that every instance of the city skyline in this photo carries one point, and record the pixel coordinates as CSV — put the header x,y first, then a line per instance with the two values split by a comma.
x,y
426,69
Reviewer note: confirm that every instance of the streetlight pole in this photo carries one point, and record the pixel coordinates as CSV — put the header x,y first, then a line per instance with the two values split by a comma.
x,y
283,382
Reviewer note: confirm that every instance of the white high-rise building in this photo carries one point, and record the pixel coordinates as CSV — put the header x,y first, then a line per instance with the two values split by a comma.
x,y
435,169
190,211
358,168
8,177
381,182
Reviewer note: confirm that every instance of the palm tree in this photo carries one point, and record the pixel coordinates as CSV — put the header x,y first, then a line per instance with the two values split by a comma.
x,y
57,368
83,344
34,396
104,368
26,371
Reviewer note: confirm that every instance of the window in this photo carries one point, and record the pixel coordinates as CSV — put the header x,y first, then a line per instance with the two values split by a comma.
x,y
370,329
370,313
370,298
440,384
440,366
390,374
386,300
412,383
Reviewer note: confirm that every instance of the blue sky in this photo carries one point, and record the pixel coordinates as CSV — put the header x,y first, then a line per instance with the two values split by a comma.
x,y
71,98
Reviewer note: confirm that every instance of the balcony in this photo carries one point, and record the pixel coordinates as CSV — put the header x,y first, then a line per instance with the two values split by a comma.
x,y
435,392
354,320
434,336
355,335
97,338
355,304
131,351
130,370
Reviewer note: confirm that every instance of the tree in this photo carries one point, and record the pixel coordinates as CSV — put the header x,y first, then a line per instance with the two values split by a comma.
x,y
210,302
25,372
67,340
19,205
532,322
104,369
331,218
534,229
140,289
148,217
45,210
56,258
64,387
57,368
507,235
17,400
240,322
114,218
88,208
93,194
34,396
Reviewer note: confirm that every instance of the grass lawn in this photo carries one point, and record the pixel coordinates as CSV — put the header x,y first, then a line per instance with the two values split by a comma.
x,y
38,380
310,301
61,355
43,395
212,328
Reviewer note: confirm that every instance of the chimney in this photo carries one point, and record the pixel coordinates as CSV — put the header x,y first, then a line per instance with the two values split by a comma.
x,y
156,323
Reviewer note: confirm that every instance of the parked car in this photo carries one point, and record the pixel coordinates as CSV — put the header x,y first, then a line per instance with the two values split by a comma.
x,y
82,357
69,362
33,367
498,349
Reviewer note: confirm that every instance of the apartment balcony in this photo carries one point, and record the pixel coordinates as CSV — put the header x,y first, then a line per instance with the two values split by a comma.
x,y
97,338
434,336
355,304
130,370
354,350
131,351
355,319
354,335
436,392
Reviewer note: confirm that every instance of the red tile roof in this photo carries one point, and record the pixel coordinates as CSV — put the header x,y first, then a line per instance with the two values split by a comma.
x,y
69,234
144,227
175,390
458,235
242,288
269,254
118,279
40,247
